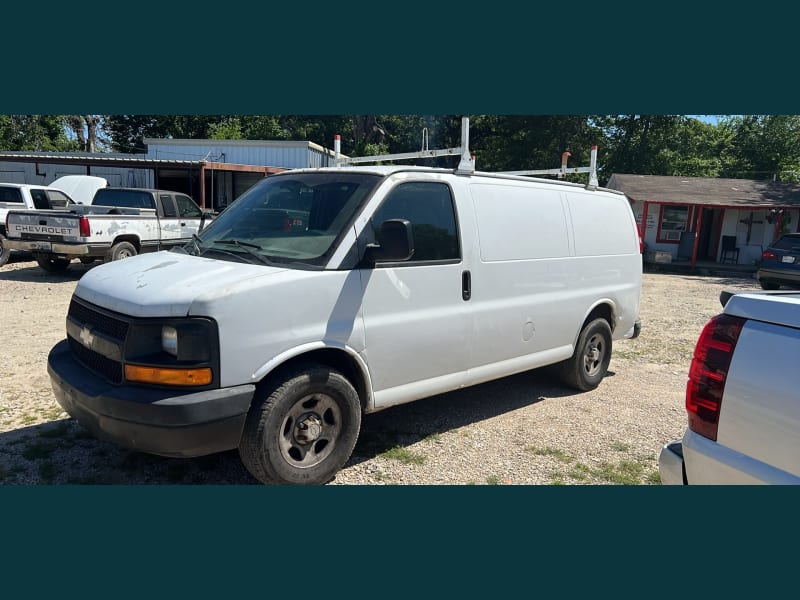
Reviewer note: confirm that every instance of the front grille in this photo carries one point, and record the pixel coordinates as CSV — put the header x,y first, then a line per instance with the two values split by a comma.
x,y
105,367
98,320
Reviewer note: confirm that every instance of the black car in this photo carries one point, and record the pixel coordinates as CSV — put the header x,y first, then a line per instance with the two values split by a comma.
x,y
780,263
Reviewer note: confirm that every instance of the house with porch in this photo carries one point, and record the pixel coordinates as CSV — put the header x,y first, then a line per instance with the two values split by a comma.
x,y
706,219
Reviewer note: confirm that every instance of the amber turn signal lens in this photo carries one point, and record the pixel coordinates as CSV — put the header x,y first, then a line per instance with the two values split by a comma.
x,y
163,376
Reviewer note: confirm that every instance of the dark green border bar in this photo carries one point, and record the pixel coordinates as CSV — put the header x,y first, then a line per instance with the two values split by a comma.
x,y
428,58
401,541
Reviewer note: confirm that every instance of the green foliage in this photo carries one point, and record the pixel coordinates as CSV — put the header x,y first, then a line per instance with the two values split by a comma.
x,y
34,133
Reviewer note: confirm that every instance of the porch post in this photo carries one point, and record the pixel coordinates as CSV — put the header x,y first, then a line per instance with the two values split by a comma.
x,y
698,223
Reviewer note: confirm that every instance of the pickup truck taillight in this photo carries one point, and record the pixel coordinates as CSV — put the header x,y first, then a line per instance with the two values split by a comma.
x,y
83,225
707,374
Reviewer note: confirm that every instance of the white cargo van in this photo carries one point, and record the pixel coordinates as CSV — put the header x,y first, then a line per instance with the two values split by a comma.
x,y
323,294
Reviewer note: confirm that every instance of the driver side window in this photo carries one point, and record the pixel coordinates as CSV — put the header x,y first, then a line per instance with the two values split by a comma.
x,y
428,206
187,207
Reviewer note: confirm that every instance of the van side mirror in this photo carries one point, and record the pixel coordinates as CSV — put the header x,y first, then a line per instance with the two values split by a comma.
x,y
397,243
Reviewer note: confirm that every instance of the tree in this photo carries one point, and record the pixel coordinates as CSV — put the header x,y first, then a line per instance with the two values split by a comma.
x,y
763,147
35,133
85,129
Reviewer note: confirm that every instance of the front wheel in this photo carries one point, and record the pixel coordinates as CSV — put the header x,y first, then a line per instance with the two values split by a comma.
x,y
589,364
52,264
302,427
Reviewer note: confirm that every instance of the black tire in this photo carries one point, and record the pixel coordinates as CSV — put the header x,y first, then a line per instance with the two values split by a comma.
x,y
309,401
121,250
588,365
4,252
52,264
768,285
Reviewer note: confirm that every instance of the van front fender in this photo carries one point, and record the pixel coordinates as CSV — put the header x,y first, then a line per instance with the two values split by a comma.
x,y
314,351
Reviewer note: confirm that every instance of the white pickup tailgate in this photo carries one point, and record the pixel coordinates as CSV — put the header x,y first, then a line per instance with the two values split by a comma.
x,y
35,225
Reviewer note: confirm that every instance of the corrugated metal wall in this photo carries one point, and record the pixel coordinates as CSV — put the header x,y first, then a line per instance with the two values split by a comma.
x,y
11,172
294,155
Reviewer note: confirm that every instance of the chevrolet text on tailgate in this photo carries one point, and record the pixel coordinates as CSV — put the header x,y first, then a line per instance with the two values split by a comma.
x,y
741,397
119,223
321,295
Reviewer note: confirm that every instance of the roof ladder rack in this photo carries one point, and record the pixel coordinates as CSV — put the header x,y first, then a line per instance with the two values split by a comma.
x,y
465,166
564,170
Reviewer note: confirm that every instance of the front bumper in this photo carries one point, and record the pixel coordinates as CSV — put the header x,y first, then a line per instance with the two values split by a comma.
x,y
670,464
154,420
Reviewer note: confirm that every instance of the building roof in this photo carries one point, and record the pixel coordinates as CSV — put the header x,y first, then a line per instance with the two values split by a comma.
x,y
734,193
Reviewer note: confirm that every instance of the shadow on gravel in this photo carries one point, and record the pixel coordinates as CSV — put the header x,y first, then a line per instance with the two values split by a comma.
x,y
35,274
62,452
407,424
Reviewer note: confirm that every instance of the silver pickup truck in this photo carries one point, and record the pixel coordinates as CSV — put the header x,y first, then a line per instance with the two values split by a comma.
x,y
742,396
120,222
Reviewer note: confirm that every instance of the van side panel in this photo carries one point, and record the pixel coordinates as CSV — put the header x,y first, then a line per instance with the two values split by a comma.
x,y
521,282
539,274
519,222
601,224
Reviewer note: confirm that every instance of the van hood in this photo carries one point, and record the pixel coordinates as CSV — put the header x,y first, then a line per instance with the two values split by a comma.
x,y
164,284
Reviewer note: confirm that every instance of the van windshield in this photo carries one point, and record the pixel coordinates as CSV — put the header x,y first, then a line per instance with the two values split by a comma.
x,y
291,218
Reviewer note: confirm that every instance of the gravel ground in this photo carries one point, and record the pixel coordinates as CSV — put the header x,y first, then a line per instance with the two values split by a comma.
x,y
526,429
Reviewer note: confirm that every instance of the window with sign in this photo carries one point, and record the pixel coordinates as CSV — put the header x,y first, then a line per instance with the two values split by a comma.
x,y
672,223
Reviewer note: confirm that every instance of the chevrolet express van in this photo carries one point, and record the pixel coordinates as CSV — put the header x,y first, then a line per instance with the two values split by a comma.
x,y
321,295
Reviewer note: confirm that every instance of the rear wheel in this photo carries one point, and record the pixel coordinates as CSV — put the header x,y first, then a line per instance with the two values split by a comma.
x,y
768,285
3,251
589,364
302,427
52,264
121,250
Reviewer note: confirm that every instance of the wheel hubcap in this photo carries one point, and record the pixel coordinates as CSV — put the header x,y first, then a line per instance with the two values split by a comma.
x,y
593,358
310,430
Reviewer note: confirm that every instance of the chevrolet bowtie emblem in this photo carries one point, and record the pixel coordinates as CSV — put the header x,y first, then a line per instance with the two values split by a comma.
x,y
86,337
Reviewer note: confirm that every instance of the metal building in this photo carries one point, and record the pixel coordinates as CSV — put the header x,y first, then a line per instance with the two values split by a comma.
x,y
226,168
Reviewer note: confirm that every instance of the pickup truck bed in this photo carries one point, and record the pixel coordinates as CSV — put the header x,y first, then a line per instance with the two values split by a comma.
x,y
742,400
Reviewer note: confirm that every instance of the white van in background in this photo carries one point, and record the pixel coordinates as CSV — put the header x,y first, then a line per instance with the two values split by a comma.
x,y
323,294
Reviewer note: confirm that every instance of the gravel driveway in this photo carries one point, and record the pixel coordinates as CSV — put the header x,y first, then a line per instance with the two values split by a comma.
x,y
525,429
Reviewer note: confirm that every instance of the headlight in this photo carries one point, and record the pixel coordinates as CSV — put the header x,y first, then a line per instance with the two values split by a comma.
x,y
169,340
172,351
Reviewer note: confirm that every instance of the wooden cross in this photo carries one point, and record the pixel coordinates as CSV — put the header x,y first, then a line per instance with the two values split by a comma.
x,y
749,222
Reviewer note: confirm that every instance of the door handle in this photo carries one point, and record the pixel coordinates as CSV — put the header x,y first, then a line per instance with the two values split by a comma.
x,y
466,285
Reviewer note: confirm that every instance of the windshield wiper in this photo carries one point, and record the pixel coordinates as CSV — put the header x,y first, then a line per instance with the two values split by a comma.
x,y
247,247
196,243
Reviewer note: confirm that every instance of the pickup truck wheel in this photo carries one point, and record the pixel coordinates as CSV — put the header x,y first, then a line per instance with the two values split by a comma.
x,y
589,364
301,428
121,250
52,264
4,252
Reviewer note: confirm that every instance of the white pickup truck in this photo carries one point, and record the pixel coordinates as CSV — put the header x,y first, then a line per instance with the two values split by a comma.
x,y
120,222
62,193
741,397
